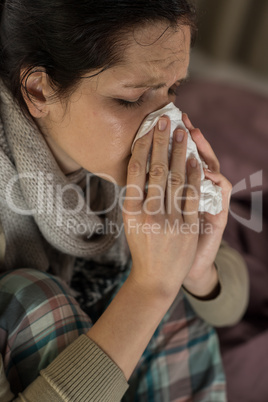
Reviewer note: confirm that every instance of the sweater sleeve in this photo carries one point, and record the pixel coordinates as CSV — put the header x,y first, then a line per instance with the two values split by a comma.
x,y
82,372
231,303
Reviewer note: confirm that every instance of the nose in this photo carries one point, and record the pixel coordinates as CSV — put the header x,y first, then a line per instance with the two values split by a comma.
x,y
161,100
159,104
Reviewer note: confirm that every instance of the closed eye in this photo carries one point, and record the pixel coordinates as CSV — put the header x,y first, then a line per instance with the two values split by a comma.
x,y
129,104
172,91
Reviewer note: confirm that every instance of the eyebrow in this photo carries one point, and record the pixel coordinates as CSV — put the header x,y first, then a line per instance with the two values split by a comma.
x,y
157,86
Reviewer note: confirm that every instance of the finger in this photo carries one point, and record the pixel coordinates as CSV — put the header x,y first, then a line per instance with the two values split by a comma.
x,y
187,121
226,186
176,177
136,175
192,193
158,171
205,150
203,146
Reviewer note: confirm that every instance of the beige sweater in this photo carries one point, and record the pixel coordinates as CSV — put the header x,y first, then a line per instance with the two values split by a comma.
x,y
99,378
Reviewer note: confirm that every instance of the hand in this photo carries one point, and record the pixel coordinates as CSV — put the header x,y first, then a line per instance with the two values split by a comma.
x,y
202,278
161,258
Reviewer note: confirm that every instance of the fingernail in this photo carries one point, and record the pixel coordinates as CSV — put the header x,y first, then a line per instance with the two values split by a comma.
x,y
162,124
193,162
179,135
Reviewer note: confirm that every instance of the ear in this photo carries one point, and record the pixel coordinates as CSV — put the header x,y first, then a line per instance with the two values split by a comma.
x,y
35,90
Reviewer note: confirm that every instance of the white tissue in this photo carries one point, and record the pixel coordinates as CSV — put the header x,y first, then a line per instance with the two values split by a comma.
x,y
210,194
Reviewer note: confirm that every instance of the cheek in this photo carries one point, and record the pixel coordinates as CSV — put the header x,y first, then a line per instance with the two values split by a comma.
x,y
118,130
105,129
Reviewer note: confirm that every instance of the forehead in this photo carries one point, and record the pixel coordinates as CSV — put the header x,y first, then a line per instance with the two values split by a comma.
x,y
155,42
154,53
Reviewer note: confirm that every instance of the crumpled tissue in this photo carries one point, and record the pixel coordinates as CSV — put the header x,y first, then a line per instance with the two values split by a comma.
x,y
210,194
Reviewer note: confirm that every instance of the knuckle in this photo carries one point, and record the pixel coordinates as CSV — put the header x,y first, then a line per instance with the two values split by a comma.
x,y
197,132
176,179
158,170
160,140
150,219
135,168
193,193
143,142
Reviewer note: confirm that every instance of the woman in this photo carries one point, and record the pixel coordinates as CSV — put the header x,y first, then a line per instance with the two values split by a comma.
x,y
77,80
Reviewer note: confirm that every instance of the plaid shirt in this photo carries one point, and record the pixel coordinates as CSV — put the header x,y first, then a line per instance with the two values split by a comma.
x,y
181,363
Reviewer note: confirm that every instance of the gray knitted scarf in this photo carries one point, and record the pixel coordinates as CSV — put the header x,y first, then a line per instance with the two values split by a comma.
x,y
64,222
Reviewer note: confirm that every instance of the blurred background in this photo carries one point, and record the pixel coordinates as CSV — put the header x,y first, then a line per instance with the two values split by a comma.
x,y
232,43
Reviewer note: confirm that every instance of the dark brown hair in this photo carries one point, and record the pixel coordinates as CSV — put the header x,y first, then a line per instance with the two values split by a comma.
x,y
68,38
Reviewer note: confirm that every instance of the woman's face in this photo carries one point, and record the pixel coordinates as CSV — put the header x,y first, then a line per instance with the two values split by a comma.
x,y
105,112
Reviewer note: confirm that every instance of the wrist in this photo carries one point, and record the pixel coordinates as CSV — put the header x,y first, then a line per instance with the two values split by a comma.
x,y
153,289
125,328
204,286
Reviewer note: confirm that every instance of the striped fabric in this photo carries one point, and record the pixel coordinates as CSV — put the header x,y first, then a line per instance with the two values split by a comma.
x,y
182,362
76,363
